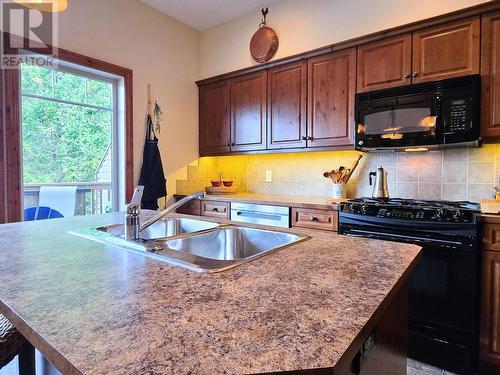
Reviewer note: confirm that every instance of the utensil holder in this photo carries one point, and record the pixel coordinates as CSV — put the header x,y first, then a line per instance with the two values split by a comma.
x,y
339,191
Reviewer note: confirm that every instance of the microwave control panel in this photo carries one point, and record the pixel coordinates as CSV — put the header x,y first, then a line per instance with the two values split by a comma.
x,y
458,118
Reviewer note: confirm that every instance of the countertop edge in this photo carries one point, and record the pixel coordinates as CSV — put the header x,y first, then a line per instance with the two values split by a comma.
x,y
365,332
37,340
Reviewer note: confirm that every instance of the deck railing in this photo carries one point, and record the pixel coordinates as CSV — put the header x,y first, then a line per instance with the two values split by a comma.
x,y
91,197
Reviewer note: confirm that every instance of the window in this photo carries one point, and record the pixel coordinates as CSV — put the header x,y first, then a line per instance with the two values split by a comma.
x,y
69,132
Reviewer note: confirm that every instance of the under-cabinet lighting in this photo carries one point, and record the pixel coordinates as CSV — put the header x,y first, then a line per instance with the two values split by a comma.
x,y
45,5
416,149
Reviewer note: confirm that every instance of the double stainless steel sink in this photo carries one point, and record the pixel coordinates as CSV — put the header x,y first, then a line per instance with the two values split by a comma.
x,y
198,245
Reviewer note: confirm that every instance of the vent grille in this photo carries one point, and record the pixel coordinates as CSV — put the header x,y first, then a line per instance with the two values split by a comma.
x,y
422,88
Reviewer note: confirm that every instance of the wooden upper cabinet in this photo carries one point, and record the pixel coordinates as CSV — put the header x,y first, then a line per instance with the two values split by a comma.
x,y
248,112
490,72
384,64
331,91
446,51
490,308
214,118
287,100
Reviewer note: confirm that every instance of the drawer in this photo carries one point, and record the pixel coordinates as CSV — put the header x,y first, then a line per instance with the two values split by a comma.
x,y
217,209
315,219
190,208
491,237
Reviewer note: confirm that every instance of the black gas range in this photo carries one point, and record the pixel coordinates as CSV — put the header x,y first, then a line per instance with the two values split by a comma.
x,y
444,286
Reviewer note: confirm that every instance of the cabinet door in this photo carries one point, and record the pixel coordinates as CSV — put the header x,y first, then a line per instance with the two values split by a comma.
x,y
446,51
214,118
331,90
384,64
248,112
490,308
190,208
287,98
490,73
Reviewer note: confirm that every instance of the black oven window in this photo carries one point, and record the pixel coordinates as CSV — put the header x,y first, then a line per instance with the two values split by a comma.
x,y
395,123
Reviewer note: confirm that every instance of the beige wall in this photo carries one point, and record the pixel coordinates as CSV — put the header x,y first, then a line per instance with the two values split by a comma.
x,y
160,51
303,25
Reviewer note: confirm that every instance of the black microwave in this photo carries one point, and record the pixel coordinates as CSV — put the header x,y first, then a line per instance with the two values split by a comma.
x,y
417,117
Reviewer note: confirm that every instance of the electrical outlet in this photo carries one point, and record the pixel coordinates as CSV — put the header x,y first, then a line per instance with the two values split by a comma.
x,y
269,176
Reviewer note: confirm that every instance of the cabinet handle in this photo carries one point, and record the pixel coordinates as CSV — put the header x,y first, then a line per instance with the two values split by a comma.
x,y
407,75
307,138
304,138
215,209
233,144
314,218
414,74
228,144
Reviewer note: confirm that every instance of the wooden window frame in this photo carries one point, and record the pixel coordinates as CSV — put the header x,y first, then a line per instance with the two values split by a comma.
x,y
10,126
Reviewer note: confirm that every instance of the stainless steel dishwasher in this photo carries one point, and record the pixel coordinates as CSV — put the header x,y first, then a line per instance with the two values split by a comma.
x,y
277,216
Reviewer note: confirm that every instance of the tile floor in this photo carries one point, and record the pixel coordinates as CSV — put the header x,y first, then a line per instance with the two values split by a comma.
x,y
419,368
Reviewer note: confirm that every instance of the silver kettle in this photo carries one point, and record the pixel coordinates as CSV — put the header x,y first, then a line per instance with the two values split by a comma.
x,y
380,189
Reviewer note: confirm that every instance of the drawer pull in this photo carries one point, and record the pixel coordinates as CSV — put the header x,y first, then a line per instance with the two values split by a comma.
x,y
314,218
215,209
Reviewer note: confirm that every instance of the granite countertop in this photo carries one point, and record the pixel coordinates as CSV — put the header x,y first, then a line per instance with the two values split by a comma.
x,y
96,309
299,201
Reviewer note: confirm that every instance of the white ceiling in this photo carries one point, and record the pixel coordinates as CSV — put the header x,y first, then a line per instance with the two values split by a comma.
x,y
203,14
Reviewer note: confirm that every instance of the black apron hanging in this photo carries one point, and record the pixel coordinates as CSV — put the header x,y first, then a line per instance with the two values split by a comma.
x,y
152,176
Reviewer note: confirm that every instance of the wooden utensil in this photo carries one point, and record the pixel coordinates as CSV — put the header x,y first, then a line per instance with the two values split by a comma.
x,y
351,170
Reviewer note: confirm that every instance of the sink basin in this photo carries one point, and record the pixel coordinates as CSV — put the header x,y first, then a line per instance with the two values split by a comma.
x,y
232,243
223,248
171,227
206,250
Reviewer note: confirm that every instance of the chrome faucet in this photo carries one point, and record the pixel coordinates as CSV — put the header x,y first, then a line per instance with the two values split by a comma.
x,y
132,223
132,211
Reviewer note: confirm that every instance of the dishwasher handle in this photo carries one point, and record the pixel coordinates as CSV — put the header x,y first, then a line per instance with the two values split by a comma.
x,y
258,215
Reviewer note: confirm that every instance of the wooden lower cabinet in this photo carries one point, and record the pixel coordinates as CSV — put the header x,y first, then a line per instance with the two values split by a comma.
x,y
315,219
215,209
190,208
490,309
489,347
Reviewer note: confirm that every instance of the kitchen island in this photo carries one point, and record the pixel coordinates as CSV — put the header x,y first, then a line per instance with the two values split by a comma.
x,y
92,308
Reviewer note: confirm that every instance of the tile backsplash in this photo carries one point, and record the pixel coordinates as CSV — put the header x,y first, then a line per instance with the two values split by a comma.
x,y
451,174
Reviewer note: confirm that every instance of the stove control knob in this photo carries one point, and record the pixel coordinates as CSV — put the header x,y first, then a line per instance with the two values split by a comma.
x,y
355,208
439,215
363,209
456,216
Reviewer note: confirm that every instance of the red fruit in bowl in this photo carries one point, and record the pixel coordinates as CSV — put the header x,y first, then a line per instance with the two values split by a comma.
x,y
216,183
227,183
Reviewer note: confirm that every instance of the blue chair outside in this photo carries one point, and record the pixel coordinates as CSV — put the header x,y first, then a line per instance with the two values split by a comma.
x,y
40,213
30,213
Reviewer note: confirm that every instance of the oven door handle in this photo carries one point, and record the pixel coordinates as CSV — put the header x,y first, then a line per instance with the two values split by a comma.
x,y
367,233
